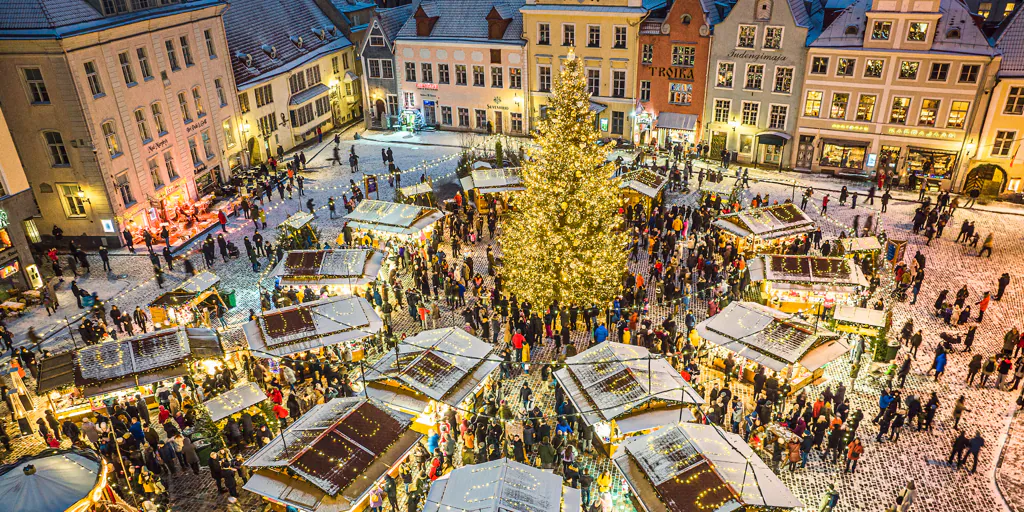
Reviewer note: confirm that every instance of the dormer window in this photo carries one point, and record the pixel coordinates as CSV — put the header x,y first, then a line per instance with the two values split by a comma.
x,y
331,29
297,41
686,19
918,32
953,33
269,50
497,23
244,57
852,30
321,34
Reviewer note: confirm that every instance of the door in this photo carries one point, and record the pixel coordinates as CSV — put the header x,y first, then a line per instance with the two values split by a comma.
x,y
499,125
718,140
805,152
382,112
429,116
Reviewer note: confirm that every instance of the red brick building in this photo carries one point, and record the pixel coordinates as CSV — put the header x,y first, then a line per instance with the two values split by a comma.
x,y
674,45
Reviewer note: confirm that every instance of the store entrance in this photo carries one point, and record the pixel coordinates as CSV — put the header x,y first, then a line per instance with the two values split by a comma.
x,y
718,140
428,113
805,152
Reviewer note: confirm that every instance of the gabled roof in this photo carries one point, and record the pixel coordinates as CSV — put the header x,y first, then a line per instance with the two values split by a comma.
x,y
1011,43
465,19
250,30
56,19
391,20
809,15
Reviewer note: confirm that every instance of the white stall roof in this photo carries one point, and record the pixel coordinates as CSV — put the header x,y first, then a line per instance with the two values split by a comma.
x,y
406,219
502,485
235,400
311,325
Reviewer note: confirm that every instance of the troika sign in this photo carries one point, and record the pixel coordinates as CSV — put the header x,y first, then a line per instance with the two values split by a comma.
x,y
673,73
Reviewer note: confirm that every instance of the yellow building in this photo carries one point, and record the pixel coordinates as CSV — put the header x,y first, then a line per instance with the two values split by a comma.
x,y
605,36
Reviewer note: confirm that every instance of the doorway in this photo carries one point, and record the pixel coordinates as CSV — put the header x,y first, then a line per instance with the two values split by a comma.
x,y
499,126
382,111
718,140
429,116
805,152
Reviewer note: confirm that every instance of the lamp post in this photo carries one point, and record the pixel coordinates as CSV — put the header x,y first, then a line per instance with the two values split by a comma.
x,y
735,124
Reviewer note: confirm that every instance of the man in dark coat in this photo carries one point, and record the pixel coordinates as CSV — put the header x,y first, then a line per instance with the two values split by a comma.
x,y
216,471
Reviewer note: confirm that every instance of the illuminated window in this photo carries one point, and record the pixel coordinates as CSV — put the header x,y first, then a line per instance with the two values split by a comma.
x,y
812,105
840,100
929,112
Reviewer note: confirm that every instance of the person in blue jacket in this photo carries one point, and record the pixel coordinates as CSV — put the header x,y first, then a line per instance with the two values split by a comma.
x,y
601,333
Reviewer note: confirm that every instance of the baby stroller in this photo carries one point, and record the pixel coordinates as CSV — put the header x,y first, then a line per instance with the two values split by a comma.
x,y
232,250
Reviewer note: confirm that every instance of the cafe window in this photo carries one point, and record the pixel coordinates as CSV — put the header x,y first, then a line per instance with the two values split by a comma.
x,y
929,112
881,30
840,100
866,107
772,38
722,108
747,36
940,70
1003,143
755,76
812,105
680,94
898,113
845,66
908,70
873,68
750,111
957,114
842,155
726,71
819,65
931,163
917,32
683,55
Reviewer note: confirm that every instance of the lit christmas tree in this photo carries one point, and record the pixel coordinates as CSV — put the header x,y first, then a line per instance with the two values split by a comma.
x,y
564,242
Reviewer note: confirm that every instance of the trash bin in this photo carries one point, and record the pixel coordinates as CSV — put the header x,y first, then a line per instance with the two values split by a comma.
x,y
229,297
893,348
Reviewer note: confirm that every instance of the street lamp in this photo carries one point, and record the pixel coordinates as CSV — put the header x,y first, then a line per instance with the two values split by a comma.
x,y
734,124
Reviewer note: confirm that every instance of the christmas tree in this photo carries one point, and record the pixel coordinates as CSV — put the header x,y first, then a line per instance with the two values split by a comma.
x,y
564,242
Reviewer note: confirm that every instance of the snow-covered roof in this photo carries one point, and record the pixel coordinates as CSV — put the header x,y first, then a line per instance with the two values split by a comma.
x,y
500,486
354,267
311,325
466,19
768,223
1011,43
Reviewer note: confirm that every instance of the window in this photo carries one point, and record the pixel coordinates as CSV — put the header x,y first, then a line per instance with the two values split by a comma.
x,y
755,76
620,38
750,110
211,50
410,71
264,96
478,76
900,107
783,80
172,56
881,30
219,86
543,33
544,78
722,108
618,122
428,72
929,112
243,102
908,70
568,34
1008,9
812,105
725,74
172,174
819,66
866,107
302,115
73,205
442,74
481,119
143,126
387,69
645,91
93,77
323,105
297,82
110,136
31,230
36,86
267,124
124,188
193,149
158,118
229,133
154,173
840,100
497,77
140,54
772,38
183,105
683,55
958,114
679,93
939,72
374,68
460,74
1014,101
777,117
313,76
186,51
619,83
515,78
463,117
207,145
1003,142
647,54
917,32
873,68
517,122
392,100
594,82
969,73
58,153
747,36
593,36
845,66
198,101
446,116
334,65
376,40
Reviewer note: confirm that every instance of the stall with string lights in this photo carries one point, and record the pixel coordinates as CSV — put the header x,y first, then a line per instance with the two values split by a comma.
x,y
55,480
330,459
235,401
485,185
766,229
644,186
623,390
430,372
421,193
864,250
794,283
499,486
312,326
374,220
341,271
710,193
689,467
299,229
794,349
184,304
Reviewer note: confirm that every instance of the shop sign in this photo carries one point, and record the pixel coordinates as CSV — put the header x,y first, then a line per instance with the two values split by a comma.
x,y
924,134
108,225
644,119
432,87
872,159
162,143
497,107
197,125
9,270
847,127
4,221
673,73
770,57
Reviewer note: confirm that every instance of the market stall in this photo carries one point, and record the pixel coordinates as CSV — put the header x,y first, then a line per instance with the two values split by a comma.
x,y
342,271
722,193
58,480
484,184
382,219
234,401
767,228
795,350
622,390
299,229
184,304
331,458
643,186
313,326
498,486
861,321
865,250
428,373
806,283
689,466
421,193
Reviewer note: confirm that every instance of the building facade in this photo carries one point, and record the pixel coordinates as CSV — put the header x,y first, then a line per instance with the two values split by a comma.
x,y
461,65
18,215
895,87
757,53
296,75
673,50
605,36
121,113
380,81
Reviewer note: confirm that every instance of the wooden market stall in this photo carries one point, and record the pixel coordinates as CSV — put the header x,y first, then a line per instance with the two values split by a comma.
x,y
421,193
299,228
621,390
498,486
689,466
234,401
485,183
184,304
766,229
866,250
331,458
373,220
59,480
643,186
794,283
795,350
342,271
428,373
313,326
710,192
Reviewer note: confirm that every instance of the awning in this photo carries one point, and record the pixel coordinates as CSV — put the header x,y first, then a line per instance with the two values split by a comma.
x,y
654,419
847,142
773,138
309,94
56,372
824,354
350,77
597,107
674,121
862,316
238,399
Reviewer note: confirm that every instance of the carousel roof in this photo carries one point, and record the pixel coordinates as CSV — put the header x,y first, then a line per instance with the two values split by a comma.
x,y
814,271
499,486
405,219
311,325
692,466
235,400
616,378
354,267
644,181
61,479
768,223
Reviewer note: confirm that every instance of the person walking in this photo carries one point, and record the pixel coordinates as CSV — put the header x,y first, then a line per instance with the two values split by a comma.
x,y
958,410
829,499
1004,281
973,449
986,246
824,205
983,305
853,454
906,497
